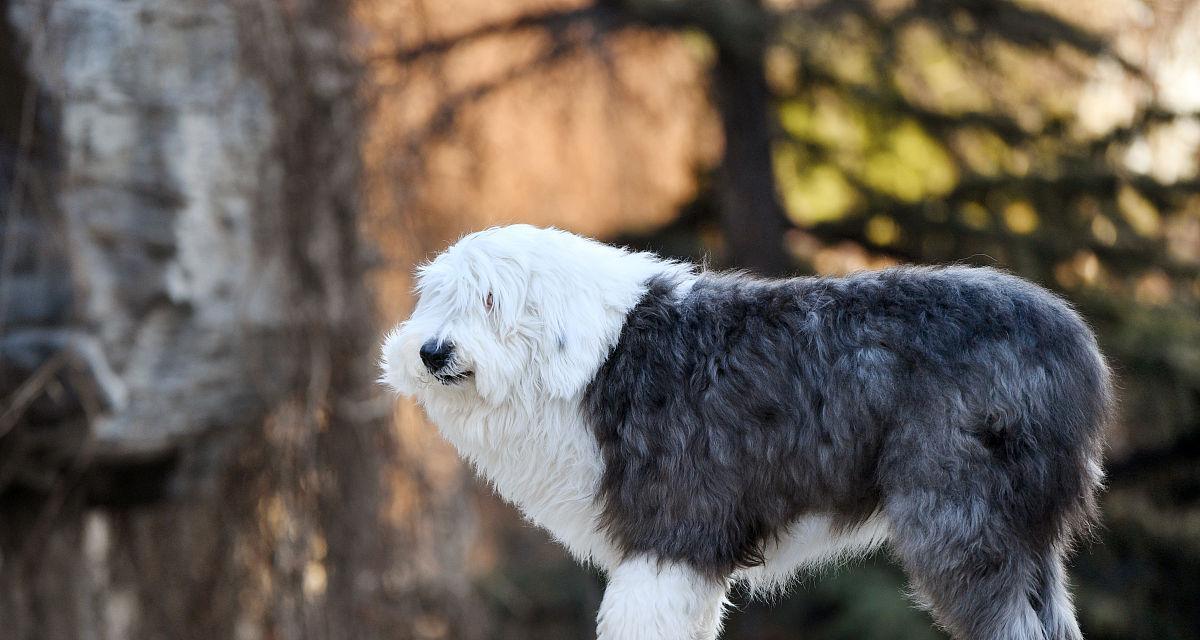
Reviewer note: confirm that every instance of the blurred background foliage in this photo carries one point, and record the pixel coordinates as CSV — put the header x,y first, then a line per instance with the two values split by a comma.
x,y
1056,139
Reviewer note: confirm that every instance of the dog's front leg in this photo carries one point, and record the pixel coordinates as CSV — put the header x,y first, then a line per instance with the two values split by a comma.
x,y
651,600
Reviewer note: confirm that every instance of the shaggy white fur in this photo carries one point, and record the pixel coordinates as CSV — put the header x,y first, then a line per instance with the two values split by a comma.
x,y
558,303
662,600
809,542
533,313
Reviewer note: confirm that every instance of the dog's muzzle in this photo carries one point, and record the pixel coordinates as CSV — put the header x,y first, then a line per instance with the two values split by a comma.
x,y
437,357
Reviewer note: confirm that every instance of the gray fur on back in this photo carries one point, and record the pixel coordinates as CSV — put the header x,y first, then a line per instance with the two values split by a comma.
x,y
966,406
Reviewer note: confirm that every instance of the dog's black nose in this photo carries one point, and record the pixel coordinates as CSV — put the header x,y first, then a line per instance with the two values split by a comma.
x,y
436,354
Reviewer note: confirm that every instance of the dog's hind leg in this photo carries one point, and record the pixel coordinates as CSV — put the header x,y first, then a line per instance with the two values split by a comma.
x,y
977,587
1052,600
958,530
651,600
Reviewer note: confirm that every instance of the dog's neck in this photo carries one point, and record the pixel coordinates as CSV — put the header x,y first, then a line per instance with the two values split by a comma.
x,y
546,462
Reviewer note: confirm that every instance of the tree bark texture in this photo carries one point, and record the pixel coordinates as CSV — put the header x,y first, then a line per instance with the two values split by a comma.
x,y
231,471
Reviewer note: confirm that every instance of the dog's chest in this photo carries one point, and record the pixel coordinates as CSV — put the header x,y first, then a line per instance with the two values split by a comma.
x,y
548,465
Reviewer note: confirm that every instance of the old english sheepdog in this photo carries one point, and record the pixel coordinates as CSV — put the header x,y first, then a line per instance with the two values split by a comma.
x,y
686,430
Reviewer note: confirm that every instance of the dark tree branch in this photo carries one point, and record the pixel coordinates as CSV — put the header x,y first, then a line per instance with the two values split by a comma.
x,y
596,16
1050,245
1007,128
1020,25
445,118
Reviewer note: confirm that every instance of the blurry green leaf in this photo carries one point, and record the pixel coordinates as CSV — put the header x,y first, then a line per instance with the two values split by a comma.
x,y
1020,217
882,230
814,194
911,165
1138,211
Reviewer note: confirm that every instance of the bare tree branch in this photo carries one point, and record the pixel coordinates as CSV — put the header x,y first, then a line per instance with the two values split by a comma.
x,y
597,17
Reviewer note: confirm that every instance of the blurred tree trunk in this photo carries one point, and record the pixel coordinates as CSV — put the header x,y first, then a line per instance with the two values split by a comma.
x,y
752,218
218,462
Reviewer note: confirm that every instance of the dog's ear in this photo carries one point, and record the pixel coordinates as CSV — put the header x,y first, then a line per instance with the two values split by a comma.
x,y
574,337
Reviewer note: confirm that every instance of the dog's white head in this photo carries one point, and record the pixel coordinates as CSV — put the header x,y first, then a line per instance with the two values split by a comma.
x,y
515,313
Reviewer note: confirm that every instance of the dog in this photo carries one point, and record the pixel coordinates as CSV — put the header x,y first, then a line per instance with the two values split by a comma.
x,y
686,430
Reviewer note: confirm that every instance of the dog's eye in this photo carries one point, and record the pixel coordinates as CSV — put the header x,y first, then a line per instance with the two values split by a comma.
x,y
487,302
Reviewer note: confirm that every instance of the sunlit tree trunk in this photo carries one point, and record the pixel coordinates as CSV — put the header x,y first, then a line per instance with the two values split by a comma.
x,y
235,473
